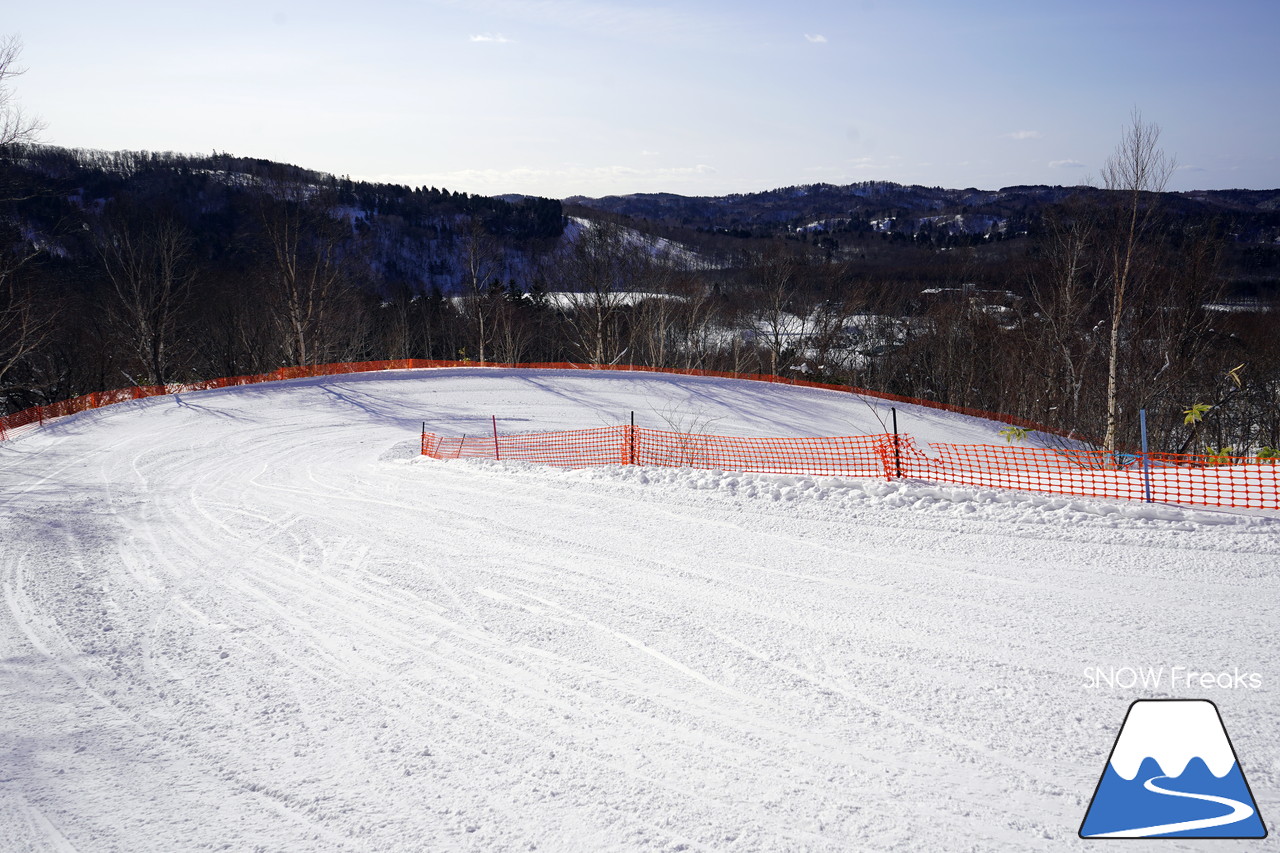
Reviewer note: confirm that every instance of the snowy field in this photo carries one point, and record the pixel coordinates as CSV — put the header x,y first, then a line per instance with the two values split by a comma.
x,y
254,619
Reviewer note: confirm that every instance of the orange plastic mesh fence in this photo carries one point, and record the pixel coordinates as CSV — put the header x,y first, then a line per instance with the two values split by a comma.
x,y
1222,481
1239,482
862,456
568,449
1242,482
1068,472
1225,481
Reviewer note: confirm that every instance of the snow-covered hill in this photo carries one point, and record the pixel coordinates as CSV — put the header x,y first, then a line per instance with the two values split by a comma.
x,y
254,618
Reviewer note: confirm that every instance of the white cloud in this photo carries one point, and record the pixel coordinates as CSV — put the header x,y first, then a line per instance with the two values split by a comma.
x,y
495,38
1065,164
816,39
1024,134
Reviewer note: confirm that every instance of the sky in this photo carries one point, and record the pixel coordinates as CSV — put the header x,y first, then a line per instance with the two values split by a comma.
x,y
702,97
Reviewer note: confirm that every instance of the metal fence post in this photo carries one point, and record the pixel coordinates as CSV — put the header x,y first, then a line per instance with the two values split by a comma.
x,y
897,452
1146,463
495,437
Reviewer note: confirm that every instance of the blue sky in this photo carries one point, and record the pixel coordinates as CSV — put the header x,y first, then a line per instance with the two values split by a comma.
x,y
564,97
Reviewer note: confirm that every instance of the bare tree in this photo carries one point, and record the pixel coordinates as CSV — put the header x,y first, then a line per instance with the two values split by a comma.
x,y
778,321
483,263
512,330
1064,332
1181,353
311,288
148,260
669,324
652,319
595,273
15,126
1137,171
398,322
236,335
699,310
23,326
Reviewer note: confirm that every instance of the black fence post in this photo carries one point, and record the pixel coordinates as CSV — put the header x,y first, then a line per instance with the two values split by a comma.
x,y
897,452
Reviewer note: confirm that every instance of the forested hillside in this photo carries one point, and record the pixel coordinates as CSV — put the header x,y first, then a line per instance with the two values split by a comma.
x,y
135,266
140,268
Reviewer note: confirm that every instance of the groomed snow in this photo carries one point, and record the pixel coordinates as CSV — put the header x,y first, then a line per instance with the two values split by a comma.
x,y
254,618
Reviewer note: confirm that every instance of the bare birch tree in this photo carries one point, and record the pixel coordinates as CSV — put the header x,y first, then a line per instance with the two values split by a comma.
x,y
1067,293
1135,173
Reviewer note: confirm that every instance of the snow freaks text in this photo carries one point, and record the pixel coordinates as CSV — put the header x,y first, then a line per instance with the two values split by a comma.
x,y
1172,677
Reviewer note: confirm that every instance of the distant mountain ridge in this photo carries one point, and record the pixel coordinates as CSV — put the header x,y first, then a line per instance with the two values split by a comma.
x,y
1254,214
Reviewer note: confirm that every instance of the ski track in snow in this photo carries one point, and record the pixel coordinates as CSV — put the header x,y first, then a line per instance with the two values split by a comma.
x,y
254,618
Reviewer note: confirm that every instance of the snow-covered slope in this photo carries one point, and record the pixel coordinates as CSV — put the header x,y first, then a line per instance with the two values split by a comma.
x,y
254,618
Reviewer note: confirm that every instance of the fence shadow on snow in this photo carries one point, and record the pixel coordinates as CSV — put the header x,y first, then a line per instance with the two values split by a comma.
x,y
1220,481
